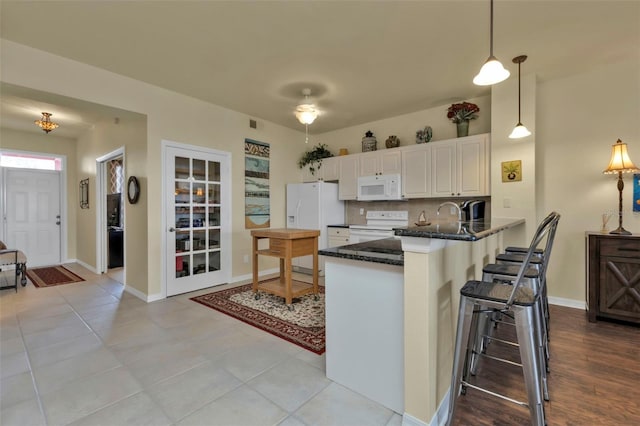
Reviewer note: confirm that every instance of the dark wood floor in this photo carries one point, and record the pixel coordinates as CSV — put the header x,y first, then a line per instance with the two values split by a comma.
x,y
594,379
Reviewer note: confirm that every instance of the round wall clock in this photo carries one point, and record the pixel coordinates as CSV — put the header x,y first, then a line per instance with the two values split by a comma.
x,y
133,190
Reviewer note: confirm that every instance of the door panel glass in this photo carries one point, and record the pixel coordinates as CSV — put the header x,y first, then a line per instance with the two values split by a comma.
x,y
198,217
182,266
182,168
214,171
198,169
214,261
214,193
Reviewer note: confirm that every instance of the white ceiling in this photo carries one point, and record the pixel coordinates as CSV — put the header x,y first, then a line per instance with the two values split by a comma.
x,y
363,60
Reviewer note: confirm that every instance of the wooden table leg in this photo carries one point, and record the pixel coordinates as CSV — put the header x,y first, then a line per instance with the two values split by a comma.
x,y
255,264
287,281
315,265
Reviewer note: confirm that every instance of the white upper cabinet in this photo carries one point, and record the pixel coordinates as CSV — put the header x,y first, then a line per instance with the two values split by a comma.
x,y
329,171
459,167
416,171
383,162
349,172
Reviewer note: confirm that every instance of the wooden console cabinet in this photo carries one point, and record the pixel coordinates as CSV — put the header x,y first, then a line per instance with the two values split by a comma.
x,y
613,277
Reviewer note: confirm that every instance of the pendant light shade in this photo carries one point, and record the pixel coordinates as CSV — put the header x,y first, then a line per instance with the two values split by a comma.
x,y
492,71
520,131
45,123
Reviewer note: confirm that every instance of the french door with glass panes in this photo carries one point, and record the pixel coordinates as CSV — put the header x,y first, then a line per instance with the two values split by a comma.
x,y
198,218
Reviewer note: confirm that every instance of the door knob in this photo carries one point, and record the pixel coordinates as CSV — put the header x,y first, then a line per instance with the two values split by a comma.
x,y
172,229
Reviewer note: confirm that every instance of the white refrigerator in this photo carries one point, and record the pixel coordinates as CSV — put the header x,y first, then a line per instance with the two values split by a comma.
x,y
313,205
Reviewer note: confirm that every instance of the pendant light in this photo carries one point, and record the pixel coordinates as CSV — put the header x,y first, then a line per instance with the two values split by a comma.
x,y
306,112
492,71
519,131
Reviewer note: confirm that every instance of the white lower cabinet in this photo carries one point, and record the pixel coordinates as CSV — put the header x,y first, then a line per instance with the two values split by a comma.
x,y
338,236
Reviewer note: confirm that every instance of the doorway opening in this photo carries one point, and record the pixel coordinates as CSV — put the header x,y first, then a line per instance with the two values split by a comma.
x,y
111,215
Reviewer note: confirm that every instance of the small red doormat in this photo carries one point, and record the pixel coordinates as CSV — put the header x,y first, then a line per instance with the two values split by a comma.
x,y
49,276
303,326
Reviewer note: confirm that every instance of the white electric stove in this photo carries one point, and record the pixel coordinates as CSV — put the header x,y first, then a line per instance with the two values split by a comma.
x,y
379,225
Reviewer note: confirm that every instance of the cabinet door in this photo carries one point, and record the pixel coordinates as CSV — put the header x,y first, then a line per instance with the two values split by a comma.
x,y
307,176
349,172
416,171
620,287
390,162
369,163
472,170
443,169
330,169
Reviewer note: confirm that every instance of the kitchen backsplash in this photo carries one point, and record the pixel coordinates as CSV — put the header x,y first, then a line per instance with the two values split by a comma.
x,y
415,207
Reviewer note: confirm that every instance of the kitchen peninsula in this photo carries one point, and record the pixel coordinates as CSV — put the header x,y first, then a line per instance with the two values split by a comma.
x,y
421,288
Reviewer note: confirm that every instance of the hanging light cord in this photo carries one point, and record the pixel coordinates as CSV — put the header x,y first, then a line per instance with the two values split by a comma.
x,y
519,122
306,133
491,35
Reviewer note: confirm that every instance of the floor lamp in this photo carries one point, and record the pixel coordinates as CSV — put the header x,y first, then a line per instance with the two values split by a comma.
x,y
620,163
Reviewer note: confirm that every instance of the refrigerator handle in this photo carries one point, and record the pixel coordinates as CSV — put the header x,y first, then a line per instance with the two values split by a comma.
x,y
298,212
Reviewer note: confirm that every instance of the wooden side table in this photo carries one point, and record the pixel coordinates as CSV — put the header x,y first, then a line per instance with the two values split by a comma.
x,y
613,277
286,244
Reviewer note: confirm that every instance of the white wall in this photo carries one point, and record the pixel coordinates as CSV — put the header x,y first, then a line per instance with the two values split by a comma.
x,y
579,118
170,116
405,127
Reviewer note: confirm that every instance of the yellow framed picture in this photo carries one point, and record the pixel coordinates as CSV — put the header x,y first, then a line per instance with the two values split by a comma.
x,y
512,171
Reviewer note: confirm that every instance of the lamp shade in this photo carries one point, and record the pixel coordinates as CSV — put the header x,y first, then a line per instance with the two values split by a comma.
x,y
492,72
620,161
520,131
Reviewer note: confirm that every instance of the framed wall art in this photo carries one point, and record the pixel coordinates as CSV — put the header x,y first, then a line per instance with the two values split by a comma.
x,y
512,171
84,193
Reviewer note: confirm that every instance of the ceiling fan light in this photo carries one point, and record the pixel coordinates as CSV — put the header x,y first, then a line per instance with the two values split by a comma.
x,y
520,131
306,114
492,72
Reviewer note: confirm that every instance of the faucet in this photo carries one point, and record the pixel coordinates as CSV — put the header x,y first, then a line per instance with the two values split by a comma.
x,y
450,203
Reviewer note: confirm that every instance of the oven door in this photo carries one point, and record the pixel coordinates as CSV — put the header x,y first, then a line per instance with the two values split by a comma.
x,y
360,235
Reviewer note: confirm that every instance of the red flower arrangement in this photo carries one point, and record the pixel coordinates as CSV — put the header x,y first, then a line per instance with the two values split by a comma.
x,y
463,111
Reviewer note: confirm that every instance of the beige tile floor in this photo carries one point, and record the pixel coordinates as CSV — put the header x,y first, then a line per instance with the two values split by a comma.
x,y
92,354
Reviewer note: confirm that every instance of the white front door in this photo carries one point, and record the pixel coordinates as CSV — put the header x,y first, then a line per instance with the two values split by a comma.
x,y
198,208
32,214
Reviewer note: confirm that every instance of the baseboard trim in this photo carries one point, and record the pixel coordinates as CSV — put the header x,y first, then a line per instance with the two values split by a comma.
x,y
249,277
140,295
569,303
438,419
84,265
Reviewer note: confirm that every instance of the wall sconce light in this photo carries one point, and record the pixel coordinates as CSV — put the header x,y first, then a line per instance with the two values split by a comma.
x,y
620,163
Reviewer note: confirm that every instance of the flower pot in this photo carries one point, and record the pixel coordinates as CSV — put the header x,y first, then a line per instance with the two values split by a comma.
x,y
463,128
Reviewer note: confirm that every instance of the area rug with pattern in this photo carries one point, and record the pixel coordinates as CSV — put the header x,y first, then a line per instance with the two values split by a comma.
x,y
49,276
304,325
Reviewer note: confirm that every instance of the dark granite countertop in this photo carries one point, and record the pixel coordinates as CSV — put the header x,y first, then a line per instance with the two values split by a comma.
x,y
387,250
465,231
338,226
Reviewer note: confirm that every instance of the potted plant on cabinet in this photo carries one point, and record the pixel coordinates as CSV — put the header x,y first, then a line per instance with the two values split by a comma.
x,y
314,157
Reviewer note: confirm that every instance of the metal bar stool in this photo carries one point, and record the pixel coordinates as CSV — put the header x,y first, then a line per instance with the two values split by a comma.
x,y
479,299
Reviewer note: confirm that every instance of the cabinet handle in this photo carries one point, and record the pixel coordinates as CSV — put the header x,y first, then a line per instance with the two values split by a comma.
x,y
628,249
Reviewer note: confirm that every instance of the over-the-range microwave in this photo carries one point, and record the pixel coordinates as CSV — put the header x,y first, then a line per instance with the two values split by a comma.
x,y
379,188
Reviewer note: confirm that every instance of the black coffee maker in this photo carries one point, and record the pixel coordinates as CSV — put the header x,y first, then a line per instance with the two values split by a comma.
x,y
473,209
